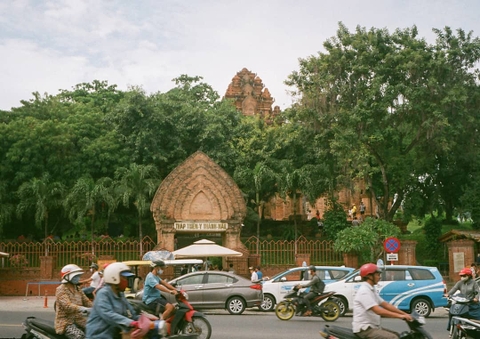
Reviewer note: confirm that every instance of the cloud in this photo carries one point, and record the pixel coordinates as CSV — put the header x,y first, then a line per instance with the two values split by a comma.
x,y
50,45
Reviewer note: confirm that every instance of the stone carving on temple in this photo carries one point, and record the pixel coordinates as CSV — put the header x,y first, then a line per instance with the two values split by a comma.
x,y
251,97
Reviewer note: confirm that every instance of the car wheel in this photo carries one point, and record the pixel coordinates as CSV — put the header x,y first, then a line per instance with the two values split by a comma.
x,y
422,307
235,305
342,304
268,303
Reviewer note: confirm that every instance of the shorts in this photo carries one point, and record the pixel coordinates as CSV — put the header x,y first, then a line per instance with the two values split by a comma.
x,y
158,305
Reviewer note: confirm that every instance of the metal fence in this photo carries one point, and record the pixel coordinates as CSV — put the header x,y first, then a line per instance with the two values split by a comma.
x,y
282,252
83,253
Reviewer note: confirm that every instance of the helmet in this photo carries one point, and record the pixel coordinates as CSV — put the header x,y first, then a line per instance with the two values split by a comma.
x,y
111,274
312,268
466,271
69,271
157,263
367,269
94,266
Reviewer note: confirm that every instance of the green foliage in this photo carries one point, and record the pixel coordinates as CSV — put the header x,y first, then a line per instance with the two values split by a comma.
x,y
366,239
335,220
433,230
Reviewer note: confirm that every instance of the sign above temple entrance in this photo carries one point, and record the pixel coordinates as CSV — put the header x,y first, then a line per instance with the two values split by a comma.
x,y
190,226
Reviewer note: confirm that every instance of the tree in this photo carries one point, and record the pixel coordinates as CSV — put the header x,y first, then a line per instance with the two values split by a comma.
x,y
42,195
137,184
6,207
258,182
366,239
379,99
84,196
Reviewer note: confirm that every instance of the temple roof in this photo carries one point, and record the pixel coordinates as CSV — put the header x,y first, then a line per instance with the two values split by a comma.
x,y
459,234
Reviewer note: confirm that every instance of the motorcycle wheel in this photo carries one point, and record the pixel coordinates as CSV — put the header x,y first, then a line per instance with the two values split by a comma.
x,y
284,310
330,310
199,326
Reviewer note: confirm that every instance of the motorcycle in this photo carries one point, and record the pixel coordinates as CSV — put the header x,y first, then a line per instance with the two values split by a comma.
x,y
458,307
294,304
42,328
185,319
417,331
465,328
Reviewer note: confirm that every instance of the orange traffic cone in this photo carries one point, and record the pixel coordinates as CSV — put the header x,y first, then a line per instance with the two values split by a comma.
x,y
45,304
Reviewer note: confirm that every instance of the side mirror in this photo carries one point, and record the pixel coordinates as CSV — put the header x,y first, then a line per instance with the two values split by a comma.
x,y
283,279
357,278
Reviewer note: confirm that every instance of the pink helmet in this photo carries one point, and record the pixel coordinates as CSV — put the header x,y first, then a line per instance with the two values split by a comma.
x,y
367,269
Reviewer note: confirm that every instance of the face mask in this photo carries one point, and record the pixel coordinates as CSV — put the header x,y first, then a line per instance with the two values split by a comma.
x,y
75,280
159,271
465,278
123,284
91,270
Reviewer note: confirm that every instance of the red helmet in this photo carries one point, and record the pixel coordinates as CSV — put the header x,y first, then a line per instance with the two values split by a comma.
x,y
466,271
367,269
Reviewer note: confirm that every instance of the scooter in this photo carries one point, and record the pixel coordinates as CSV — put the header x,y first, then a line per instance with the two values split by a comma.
x,y
465,328
185,320
42,328
457,308
417,331
294,304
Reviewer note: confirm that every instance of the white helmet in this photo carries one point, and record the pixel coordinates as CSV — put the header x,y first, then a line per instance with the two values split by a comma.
x,y
69,271
112,272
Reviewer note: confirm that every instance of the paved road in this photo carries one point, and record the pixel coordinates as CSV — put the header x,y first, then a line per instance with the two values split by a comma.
x,y
13,310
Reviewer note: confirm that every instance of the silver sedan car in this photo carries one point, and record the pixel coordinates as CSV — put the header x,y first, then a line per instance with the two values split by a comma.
x,y
218,289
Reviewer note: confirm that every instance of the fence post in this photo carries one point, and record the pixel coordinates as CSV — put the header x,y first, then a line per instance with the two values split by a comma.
x,y
47,266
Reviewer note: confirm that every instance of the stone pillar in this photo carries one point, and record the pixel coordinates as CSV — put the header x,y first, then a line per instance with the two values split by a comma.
x,y
407,253
300,258
47,266
461,253
350,259
166,235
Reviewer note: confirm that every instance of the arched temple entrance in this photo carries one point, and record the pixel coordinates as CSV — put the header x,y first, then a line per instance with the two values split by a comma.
x,y
199,197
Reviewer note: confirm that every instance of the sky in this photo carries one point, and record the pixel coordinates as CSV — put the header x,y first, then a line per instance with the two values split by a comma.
x,y
46,46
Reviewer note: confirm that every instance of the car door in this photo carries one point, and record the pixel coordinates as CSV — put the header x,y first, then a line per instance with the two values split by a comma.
x,y
193,284
284,284
395,280
347,287
216,289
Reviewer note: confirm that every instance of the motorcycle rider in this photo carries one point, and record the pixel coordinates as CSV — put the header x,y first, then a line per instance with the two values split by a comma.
x,y
71,304
316,287
369,307
94,281
470,290
112,313
152,287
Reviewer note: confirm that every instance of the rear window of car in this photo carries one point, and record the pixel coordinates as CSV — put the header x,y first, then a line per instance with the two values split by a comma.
x,y
219,279
421,274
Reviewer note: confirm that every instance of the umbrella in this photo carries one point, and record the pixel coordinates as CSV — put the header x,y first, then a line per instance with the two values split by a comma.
x,y
205,248
158,255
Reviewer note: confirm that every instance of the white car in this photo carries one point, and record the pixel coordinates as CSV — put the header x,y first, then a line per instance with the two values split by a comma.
x,y
279,285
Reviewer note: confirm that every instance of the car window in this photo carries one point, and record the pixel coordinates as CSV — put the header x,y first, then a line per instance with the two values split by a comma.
x,y
322,274
393,275
292,276
191,280
337,274
421,274
219,279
